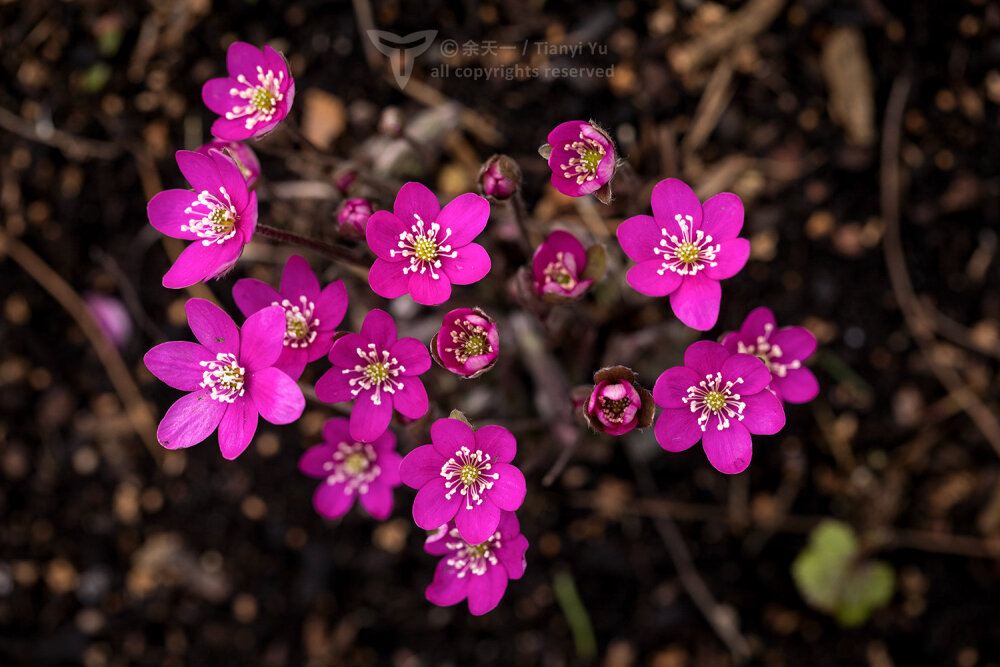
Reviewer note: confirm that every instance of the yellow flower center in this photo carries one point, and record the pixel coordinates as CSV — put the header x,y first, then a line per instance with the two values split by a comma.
x,y
356,463
376,372
687,253
262,100
714,400
425,249
469,474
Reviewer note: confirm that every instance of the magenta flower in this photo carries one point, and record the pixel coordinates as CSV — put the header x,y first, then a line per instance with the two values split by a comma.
x,y
720,399
465,476
377,372
352,218
231,378
618,404
560,268
782,351
311,315
581,157
242,154
111,316
422,248
256,96
351,469
468,342
684,249
479,571
219,216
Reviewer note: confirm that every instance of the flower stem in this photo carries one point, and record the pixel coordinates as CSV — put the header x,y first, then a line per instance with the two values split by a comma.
x,y
521,217
334,252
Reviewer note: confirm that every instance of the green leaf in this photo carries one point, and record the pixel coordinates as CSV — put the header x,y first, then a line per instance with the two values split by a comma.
x,y
869,587
459,415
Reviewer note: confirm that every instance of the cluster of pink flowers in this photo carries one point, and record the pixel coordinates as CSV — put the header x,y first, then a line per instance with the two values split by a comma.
x,y
467,487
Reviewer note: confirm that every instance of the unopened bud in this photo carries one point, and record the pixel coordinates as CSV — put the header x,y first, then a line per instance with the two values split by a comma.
x,y
500,177
352,218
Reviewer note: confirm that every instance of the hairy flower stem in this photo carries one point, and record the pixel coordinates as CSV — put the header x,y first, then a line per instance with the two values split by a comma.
x,y
335,253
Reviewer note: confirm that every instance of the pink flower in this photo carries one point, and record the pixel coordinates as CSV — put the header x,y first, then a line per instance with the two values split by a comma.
x,y
219,216
352,218
468,342
311,316
685,249
559,268
111,316
351,469
582,158
231,378
618,404
465,476
256,96
479,571
379,371
422,248
719,398
782,351
242,154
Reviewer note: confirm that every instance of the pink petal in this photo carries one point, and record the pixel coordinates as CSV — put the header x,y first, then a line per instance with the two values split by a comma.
x,y
431,508
672,197
677,429
799,386
749,369
429,291
672,386
344,352
200,171
638,236
276,396
243,58
178,364
382,234
369,419
237,428
262,338
199,262
569,186
705,357
411,399
731,341
436,542
274,61
379,328
730,260
421,466
378,500
336,430
191,419
166,213
696,301
728,450
334,386
331,501
476,525
497,442
796,343
247,223
470,265
331,306
320,347
508,490
759,322
252,295
231,130
645,278
447,588
415,199
722,216
292,361
449,435
511,554
311,462
231,179
387,278
389,462
298,279
466,216
212,326
412,354
486,590
215,95
556,242
763,414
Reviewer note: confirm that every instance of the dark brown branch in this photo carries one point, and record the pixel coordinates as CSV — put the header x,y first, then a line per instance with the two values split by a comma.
x,y
329,250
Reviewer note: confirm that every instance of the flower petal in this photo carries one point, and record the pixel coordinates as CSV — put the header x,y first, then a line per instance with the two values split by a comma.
x,y
231,178
705,357
730,259
796,343
382,234
496,441
486,590
331,306
410,400
311,462
763,414
190,420
215,95
292,361
645,278
212,326
415,199
722,216
760,322
673,197
237,428
470,265
429,291
389,462
431,508
200,171
178,364
677,429
166,213
638,236
369,419
448,435
476,525
421,466
387,278
231,130
298,279
344,353
511,554
276,396
799,386
509,489
262,338
379,328
334,386
696,301
252,295
729,450
337,430
746,372
378,500
447,588
466,216
412,355
672,386
199,262
332,500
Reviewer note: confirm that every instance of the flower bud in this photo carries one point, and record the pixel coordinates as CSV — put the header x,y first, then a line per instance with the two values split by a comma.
x,y
467,344
352,218
618,404
500,177
111,316
344,178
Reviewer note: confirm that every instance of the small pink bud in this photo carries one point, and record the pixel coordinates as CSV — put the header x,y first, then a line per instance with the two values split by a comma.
x,y
344,178
500,177
618,404
111,316
352,218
